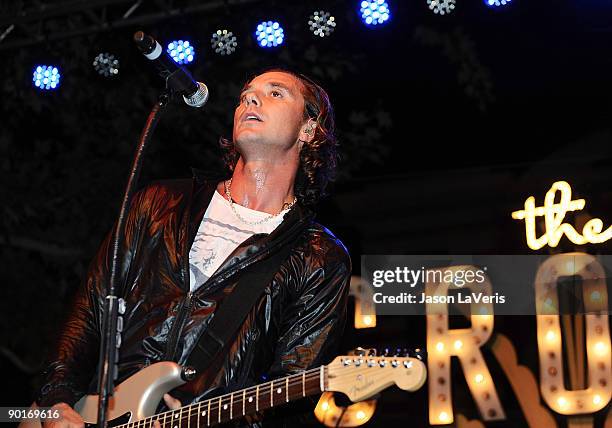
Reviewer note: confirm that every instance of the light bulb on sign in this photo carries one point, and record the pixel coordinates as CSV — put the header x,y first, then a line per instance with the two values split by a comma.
x,y
561,401
365,310
331,415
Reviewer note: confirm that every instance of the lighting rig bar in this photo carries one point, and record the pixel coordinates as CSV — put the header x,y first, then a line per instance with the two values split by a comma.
x,y
39,22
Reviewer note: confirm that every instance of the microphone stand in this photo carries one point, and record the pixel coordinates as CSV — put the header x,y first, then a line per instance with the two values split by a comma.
x,y
114,306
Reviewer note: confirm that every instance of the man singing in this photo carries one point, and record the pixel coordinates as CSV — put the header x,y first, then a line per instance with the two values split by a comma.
x,y
187,242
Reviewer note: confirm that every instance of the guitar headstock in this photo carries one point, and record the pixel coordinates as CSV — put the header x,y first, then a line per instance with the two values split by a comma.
x,y
362,375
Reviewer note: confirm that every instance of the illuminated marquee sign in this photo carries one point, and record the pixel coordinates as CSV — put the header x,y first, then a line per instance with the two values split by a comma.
x,y
443,342
579,397
553,214
598,392
465,343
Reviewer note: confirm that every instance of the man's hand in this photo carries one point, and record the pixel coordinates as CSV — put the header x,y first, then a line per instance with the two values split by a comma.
x,y
172,403
69,418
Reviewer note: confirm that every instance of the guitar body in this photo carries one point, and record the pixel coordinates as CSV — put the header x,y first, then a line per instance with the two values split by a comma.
x,y
137,396
134,399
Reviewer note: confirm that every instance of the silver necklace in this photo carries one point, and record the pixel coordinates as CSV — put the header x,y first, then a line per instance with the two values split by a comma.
x,y
228,185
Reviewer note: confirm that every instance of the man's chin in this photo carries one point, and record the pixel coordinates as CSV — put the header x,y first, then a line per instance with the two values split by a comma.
x,y
249,135
246,140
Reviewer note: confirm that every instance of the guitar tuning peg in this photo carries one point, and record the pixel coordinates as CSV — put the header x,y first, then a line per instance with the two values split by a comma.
x,y
398,352
372,352
419,354
386,352
360,352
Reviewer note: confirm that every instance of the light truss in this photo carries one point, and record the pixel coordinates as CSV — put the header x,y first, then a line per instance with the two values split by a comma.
x,y
28,23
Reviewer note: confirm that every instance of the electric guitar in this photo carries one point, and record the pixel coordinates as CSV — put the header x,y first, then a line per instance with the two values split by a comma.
x,y
135,400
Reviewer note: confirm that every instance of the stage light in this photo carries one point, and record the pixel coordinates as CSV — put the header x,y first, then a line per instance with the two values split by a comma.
x,y
374,12
223,42
46,77
106,64
181,51
321,23
441,7
496,3
269,34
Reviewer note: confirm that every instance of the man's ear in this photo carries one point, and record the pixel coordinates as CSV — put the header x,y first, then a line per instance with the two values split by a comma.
x,y
307,131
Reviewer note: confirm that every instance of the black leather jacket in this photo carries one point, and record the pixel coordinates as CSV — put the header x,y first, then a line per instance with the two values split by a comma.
x,y
295,324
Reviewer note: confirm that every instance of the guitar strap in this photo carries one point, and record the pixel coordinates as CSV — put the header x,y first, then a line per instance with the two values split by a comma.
x,y
235,307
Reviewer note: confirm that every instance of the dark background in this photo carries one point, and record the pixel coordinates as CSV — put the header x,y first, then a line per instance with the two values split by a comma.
x,y
446,124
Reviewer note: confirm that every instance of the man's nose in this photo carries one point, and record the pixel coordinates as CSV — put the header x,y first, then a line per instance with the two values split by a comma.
x,y
252,98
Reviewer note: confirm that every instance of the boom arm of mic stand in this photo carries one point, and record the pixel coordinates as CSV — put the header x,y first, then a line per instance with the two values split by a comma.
x,y
109,344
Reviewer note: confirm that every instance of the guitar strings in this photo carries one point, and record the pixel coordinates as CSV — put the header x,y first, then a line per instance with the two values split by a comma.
x,y
266,387
188,412
347,371
214,417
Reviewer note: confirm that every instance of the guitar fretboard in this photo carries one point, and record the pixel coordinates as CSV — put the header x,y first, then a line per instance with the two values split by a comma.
x,y
239,403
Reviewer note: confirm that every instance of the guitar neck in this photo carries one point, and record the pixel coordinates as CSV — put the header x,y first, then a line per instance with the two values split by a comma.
x,y
242,402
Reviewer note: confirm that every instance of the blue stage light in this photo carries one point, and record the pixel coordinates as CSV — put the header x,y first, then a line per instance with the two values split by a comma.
x,y
496,3
46,77
181,51
269,34
374,12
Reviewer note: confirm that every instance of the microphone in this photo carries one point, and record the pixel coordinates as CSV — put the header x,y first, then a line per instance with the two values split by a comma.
x,y
177,78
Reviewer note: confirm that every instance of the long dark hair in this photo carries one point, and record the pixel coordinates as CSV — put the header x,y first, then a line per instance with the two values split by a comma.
x,y
319,157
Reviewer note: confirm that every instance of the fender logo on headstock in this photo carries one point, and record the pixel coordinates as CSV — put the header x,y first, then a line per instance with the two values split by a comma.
x,y
361,383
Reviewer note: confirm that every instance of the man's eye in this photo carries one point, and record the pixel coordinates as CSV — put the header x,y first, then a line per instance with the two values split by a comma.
x,y
276,94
